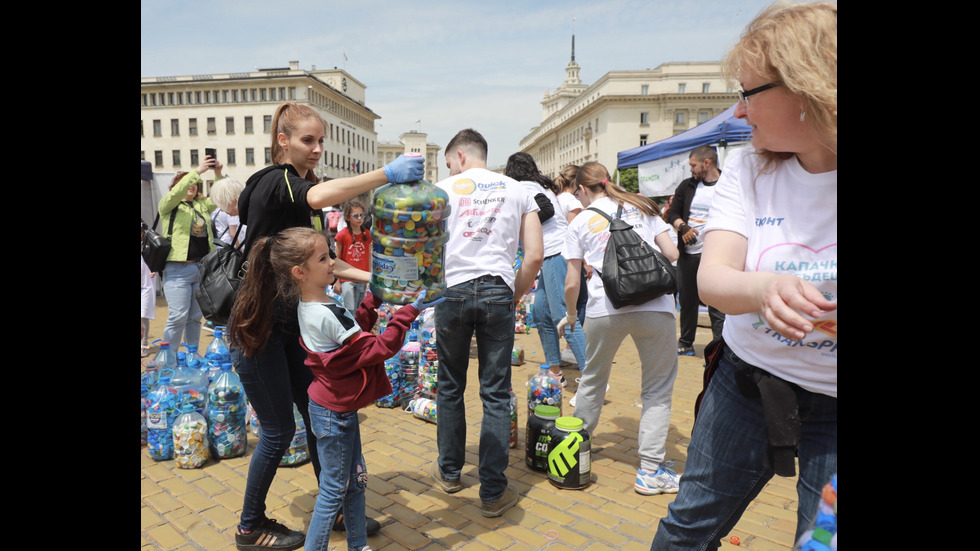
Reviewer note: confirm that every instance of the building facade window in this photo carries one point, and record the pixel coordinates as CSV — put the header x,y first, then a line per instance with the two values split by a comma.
x,y
157,132
681,87
643,139
705,87
230,156
176,155
644,89
249,156
248,125
680,117
158,157
212,130
703,116
192,127
229,125
268,156
195,160
175,127
644,118
267,123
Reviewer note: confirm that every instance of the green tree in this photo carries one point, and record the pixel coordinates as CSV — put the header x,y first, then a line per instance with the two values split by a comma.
x,y
628,179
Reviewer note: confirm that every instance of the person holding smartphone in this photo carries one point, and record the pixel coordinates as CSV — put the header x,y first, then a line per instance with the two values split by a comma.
x,y
185,217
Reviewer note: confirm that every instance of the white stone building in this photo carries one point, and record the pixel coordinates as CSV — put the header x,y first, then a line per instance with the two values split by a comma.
x,y
180,116
623,110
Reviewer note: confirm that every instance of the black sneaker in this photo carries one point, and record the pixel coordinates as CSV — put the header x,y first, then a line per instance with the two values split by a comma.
x,y
371,526
270,535
684,350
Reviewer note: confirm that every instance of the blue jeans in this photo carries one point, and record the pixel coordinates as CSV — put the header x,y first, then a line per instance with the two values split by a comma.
x,y
180,280
549,309
274,380
725,462
342,479
484,305
353,293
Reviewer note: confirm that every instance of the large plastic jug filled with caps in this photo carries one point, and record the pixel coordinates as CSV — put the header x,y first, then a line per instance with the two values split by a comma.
x,y
165,358
298,452
408,241
218,350
163,406
191,385
190,438
227,423
543,388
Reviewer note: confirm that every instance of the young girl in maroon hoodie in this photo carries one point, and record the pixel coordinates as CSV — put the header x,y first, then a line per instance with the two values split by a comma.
x,y
347,361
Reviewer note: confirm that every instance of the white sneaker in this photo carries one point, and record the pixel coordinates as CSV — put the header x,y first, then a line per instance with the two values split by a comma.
x,y
664,481
568,357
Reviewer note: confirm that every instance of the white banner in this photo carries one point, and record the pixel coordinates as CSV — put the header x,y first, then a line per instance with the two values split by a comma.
x,y
661,177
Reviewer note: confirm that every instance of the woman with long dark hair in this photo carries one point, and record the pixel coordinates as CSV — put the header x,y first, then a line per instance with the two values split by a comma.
x,y
549,298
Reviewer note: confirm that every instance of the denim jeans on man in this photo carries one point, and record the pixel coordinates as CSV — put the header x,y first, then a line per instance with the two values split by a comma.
x,y
274,380
343,478
549,309
485,306
180,280
724,470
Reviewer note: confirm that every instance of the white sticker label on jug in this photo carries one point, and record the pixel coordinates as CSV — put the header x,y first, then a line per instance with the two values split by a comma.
x,y
406,268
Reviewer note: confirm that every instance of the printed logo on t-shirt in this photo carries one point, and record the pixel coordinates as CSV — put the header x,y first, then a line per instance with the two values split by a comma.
x,y
597,223
819,267
464,186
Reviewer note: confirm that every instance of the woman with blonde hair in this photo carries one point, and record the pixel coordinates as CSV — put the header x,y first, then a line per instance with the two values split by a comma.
x,y
770,263
650,325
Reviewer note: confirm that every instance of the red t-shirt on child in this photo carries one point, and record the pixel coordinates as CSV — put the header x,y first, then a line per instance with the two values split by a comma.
x,y
354,249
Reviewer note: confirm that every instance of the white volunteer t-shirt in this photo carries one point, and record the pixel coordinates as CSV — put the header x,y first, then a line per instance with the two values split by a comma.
x,y
485,224
325,326
567,203
586,239
698,215
553,229
789,217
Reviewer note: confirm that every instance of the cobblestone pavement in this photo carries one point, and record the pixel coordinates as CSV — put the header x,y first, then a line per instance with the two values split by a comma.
x,y
197,509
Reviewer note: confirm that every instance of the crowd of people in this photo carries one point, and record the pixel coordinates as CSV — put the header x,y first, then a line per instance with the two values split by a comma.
x,y
755,242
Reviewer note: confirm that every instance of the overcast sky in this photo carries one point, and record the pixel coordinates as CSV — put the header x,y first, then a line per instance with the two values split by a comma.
x,y
450,64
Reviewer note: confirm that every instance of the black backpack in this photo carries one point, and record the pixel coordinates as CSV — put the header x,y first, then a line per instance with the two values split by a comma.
x,y
633,272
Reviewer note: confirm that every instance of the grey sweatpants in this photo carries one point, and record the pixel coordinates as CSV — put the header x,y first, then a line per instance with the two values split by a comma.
x,y
655,336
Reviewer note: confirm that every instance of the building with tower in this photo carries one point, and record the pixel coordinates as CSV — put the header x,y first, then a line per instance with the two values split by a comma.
x,y
623,110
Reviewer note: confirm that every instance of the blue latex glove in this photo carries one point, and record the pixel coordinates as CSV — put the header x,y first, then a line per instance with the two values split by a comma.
x,y
405,169
420,303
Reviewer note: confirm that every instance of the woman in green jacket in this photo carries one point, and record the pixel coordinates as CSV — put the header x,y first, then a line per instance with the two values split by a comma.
x,y
185,217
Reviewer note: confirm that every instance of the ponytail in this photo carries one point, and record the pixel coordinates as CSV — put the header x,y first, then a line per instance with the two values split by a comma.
x,y
595,177
251,315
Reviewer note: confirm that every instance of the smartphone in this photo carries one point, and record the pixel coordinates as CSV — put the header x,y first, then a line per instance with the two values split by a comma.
x,y
212,152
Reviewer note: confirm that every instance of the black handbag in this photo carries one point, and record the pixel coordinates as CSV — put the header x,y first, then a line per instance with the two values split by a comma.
x,y
156,248
221,273
633,272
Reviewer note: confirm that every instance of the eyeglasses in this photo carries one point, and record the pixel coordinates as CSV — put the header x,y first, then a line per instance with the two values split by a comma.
x,y
357,215
743,95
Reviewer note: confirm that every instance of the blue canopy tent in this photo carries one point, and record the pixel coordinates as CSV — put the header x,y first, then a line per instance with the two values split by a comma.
x,y
662,165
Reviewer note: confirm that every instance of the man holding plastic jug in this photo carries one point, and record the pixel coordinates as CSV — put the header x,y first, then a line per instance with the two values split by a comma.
x,y
491,216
